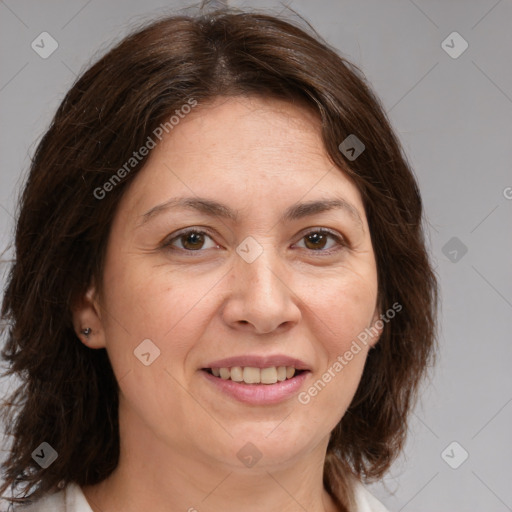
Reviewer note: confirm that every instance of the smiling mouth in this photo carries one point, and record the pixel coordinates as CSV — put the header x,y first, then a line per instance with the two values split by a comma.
x,y
253,375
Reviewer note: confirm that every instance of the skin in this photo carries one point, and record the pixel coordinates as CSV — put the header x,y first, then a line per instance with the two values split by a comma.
x,y
179,435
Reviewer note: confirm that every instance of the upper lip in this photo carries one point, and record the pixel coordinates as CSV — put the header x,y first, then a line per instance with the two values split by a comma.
x,y
256,361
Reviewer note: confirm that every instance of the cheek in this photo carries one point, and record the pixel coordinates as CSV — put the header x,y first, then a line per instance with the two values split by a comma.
x,y
340,315
341,308
328,396
167,307
343,305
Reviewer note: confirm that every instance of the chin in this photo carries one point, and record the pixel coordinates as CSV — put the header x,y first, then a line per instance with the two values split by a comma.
x,y
257,447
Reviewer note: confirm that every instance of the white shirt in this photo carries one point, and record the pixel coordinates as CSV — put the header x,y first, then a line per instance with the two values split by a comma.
x,y
72,499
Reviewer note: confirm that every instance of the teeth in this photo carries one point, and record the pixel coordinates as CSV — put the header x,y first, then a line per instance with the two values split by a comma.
x,y
269,375
224,373
237,374
252,375
281,373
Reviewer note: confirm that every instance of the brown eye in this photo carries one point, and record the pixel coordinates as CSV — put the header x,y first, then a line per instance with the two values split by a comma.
x,y
192,240
318,240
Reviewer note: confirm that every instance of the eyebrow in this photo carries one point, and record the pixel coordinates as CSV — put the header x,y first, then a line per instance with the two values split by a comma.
x,y
216,209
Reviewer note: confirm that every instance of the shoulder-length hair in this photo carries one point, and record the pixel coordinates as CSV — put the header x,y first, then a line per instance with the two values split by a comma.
x,y
68,394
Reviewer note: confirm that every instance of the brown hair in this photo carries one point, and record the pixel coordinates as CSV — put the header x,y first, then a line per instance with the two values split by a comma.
x,y
68,393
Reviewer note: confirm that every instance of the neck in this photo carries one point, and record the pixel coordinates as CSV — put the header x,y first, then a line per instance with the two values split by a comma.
x,y
151,475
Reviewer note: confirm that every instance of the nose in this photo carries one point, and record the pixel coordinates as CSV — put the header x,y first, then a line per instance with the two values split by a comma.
x,y
261,298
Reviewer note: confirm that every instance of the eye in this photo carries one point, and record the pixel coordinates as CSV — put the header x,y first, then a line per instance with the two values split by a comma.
x,y
190,240
194,240
318,240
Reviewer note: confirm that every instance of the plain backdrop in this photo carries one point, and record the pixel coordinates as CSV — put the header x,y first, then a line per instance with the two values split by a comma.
x,y
452,109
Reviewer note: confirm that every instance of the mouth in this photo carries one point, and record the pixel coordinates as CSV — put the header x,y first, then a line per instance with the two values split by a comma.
x,y
254,375
257,381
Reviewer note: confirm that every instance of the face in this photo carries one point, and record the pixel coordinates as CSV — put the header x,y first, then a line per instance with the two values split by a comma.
x,y
266,263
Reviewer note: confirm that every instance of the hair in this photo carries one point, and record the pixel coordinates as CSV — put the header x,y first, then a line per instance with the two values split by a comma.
x,y
68,394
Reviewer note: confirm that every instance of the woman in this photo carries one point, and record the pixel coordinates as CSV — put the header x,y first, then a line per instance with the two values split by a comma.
x,y
221,298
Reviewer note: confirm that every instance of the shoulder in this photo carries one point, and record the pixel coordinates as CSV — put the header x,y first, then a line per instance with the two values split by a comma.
x,y
366,501
69,499
72,499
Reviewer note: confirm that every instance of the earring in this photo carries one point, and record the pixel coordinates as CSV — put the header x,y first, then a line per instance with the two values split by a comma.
x,y
86,332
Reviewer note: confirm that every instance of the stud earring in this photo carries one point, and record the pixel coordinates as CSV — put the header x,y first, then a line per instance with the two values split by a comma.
x,y
86,332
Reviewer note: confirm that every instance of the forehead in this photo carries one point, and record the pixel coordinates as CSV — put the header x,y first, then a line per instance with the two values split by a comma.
x,y
244,127
243,146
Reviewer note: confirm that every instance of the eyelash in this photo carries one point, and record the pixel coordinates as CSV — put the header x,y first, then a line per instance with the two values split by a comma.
x,y
340,241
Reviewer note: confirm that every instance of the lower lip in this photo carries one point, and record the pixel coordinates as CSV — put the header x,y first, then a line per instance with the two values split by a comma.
x,y
258,394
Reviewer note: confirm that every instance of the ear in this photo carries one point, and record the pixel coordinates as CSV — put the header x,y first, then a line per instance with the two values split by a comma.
x,y
376,327
86,313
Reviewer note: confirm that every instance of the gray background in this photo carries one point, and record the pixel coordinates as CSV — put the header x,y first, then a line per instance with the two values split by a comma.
x,y
454,116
